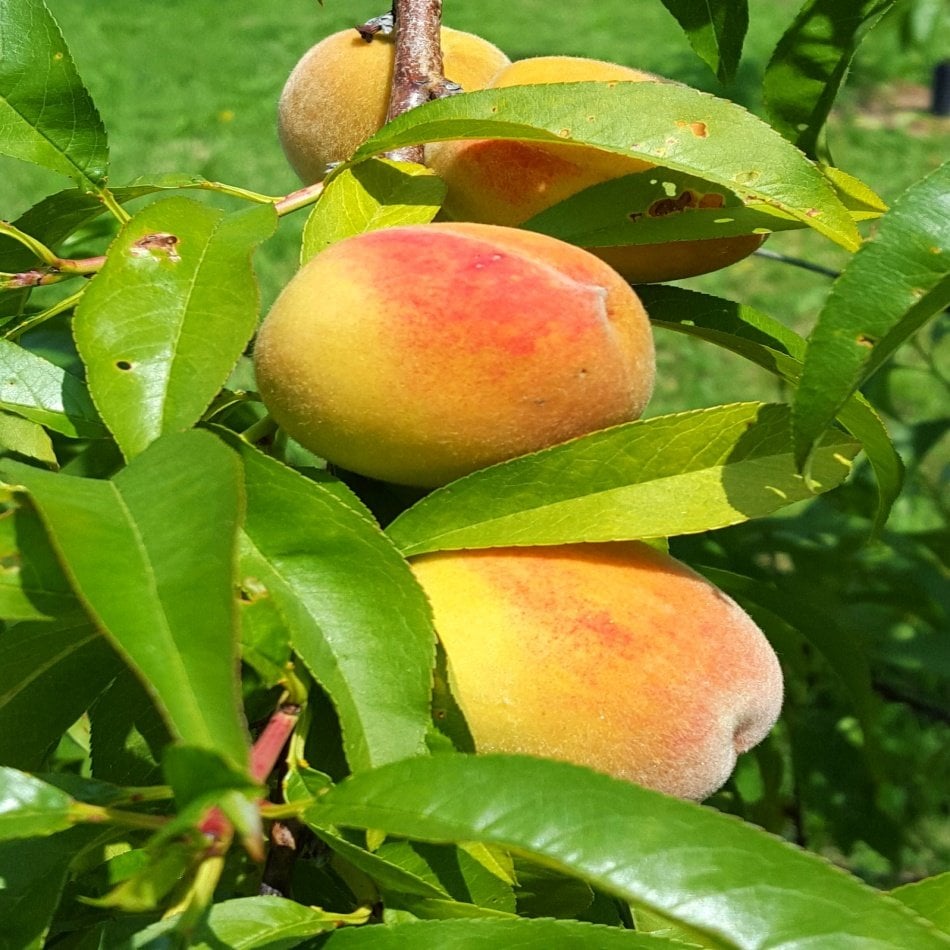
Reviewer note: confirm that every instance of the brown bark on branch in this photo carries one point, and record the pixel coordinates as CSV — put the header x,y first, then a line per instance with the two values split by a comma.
x,y
418,72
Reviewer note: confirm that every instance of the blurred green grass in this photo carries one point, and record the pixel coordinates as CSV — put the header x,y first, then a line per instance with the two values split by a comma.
x,y
192,87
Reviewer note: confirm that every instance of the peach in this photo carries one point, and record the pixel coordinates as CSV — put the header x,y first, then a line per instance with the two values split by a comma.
x,y
338,94
611,655
501,181
418,354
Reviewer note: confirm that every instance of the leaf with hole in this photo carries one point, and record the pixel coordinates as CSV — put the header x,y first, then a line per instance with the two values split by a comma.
x,y
164,322
670,125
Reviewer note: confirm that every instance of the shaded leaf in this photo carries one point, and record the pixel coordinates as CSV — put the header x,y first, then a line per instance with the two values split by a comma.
x,y
677,474
30,808
810,63
888,290
32,583
127,734
670,125
151,553
42,392
33,874
356,616
654,207
375,194
163,323
696,867
715,29
199,775
930,898
46,115
771,345
50,674
19,436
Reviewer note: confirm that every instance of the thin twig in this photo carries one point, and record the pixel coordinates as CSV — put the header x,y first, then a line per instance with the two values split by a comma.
x,y
797,262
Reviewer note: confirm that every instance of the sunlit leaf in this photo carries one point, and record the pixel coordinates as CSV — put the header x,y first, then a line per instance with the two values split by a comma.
x,y
163,323
30,808
694,866
665,123
770,344
375,194
490,934
46,115
355,614
894,284
677,474
42,392
930,898
249,923
151,554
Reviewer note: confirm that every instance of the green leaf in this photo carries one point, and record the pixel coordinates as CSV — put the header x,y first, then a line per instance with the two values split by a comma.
x,y
665,123
771,345
692,865
40,391
151,554
30,808
495,935
33,874
387,867
19,436
127,734
46,115
199,775
811,61
357,618
32,583
888,290
636,209
246,923
861,200
163,323
375,194
670,475
50,674
930,898
715,29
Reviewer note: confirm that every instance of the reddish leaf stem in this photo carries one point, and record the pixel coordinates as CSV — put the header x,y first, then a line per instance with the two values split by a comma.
x,y
264,755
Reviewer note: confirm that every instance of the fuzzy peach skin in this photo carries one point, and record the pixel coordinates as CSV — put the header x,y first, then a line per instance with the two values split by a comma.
x,y
418,354
614,656
501,181
338,94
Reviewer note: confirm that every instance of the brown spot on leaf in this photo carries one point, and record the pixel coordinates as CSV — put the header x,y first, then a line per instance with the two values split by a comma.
x,y
124,365
712,200
699,129
157,244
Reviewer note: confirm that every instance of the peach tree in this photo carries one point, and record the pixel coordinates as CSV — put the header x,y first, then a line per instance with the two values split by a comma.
x,y
219,678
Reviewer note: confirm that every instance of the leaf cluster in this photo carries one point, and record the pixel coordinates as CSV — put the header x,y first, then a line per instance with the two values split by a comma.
x,y
224,719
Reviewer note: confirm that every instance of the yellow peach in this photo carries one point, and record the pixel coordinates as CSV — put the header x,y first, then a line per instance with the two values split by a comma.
x,y
612,655
338,94
419,354
501,181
